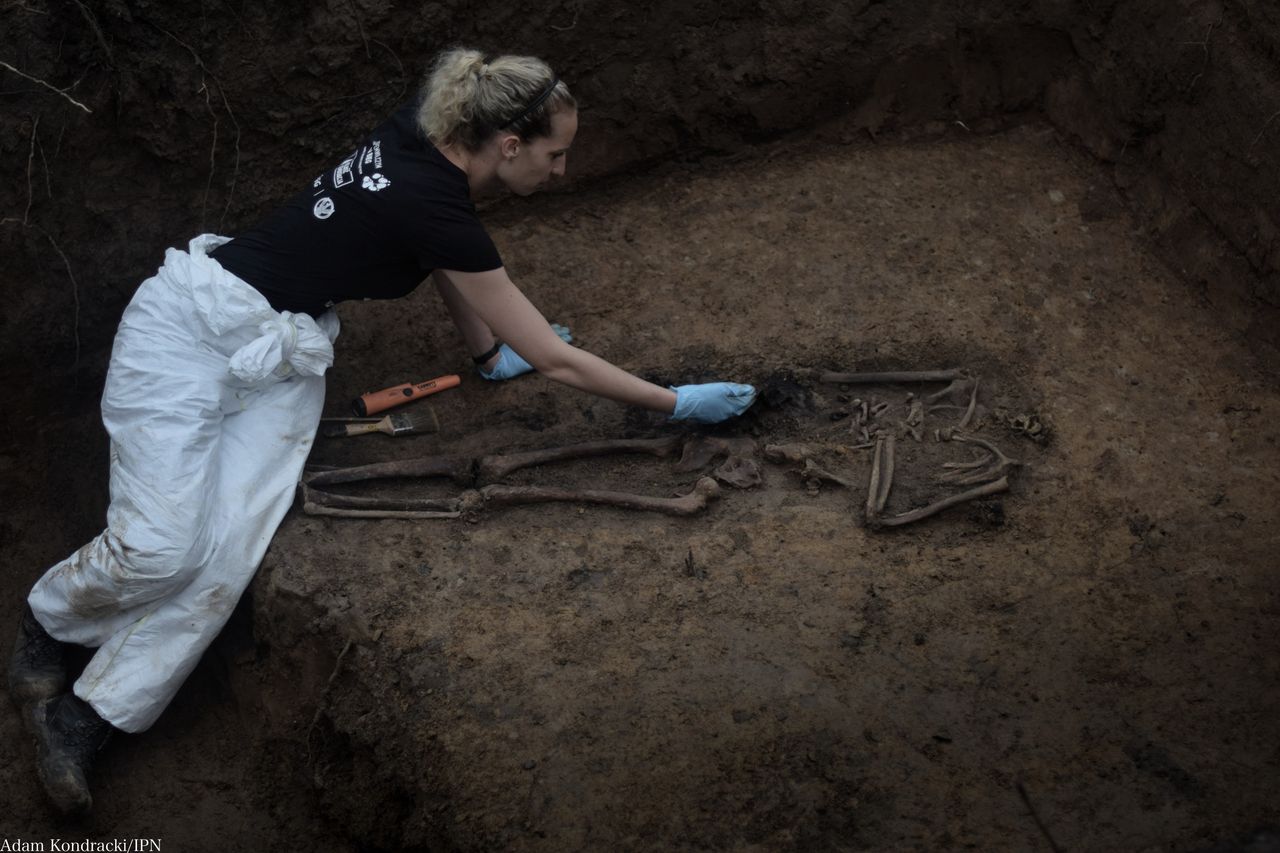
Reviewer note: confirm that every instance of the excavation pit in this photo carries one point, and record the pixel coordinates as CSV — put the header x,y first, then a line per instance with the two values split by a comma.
x,y
1076,206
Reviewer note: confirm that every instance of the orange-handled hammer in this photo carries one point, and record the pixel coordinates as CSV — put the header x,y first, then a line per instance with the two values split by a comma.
x,y
378,401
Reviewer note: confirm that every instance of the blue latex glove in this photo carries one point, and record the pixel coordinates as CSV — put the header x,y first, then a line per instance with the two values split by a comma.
x,y
713,402
510,364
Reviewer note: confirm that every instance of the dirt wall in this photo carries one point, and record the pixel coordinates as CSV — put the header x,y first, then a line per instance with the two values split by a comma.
x,y
203,117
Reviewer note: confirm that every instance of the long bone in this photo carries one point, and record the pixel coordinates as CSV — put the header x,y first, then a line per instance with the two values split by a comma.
x,y
316,498
497,466
498,495
457,468
890,377
938,506
343,512
704,491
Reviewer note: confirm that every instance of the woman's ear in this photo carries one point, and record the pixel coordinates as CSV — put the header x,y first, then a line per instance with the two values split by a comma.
x,y
509,145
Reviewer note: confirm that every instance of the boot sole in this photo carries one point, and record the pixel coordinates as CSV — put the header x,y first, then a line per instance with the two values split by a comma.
x,y
66,786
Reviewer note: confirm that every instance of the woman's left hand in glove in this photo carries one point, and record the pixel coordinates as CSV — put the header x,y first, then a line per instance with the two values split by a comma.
x,y
510,365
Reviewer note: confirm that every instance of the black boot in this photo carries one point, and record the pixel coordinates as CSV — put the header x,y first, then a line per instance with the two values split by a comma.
x,y
69,734
38,668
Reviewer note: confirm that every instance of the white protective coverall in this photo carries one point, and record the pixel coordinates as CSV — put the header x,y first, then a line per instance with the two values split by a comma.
x,y
212,400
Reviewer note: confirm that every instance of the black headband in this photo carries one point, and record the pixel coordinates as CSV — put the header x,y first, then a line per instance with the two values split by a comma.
x,y
539,101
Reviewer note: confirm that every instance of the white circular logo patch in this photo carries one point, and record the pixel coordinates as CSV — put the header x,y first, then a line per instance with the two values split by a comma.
x,y
323,208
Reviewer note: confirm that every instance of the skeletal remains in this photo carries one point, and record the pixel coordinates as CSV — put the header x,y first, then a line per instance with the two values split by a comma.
x,y
986,474
737,470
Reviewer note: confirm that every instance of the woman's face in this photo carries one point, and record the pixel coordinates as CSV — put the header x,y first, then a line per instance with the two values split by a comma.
x,y
527,167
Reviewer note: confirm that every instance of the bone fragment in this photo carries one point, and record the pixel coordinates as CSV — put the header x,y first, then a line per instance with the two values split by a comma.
x,y
497,466
704,491
890,377
812,475
456,468
788,452
915,416
862,414
700,450
958,386
873,485
973,404
936,507
739,472
886,474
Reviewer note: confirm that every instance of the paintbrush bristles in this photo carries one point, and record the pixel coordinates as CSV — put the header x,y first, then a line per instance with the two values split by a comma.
x,y
423,420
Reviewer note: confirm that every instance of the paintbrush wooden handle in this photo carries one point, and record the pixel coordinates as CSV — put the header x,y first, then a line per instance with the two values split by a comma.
x,y
340,430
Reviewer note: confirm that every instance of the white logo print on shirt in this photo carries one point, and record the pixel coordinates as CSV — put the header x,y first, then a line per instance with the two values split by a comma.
x,y
323,208
376,181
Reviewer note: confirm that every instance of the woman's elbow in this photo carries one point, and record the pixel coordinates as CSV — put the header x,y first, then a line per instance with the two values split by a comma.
x,y
560,363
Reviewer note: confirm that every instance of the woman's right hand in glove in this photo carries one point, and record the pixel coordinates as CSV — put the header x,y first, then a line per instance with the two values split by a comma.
x,y
713,402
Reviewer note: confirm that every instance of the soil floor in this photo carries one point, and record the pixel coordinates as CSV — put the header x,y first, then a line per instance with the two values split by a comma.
x,y
1086,661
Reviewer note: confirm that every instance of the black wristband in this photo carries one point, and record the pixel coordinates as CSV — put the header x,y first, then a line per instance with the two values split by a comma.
x,y
481,359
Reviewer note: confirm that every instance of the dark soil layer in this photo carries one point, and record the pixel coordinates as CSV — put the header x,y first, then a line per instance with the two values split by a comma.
x,y
1077,201
772,675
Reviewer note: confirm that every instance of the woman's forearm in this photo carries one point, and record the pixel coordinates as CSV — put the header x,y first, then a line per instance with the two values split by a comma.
x,y
501,306
580,369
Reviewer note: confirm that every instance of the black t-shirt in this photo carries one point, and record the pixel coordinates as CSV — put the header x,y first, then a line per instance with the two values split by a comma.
x,y
373,227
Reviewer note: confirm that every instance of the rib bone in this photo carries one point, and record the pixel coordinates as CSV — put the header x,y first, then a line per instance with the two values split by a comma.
x,y
995,465
497,466
936,507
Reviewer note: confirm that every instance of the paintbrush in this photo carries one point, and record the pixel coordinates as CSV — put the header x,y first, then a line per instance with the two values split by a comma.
x,y
399,423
